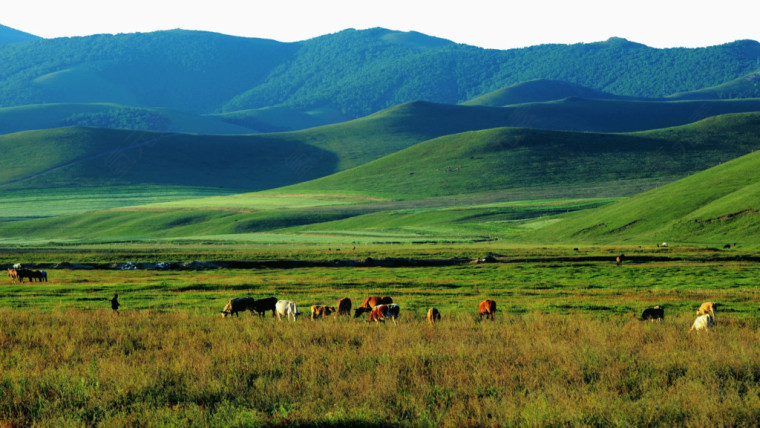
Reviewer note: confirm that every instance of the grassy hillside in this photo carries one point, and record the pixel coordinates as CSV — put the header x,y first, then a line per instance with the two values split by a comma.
x,y
744,87
537,161
82,157
717,206
53,115
539,90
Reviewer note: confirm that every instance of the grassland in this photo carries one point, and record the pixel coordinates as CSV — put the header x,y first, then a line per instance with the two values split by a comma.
x,y
566,348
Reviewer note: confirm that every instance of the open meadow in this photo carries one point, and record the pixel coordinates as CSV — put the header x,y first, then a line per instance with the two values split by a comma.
x,y
566,347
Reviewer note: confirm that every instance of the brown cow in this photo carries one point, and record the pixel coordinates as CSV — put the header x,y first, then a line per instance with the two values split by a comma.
x,y
619,259
707,308
369,303
344,306
379,313
319,311
487,308
433,315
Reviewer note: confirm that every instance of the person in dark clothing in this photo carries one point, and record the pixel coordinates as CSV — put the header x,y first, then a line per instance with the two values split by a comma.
x,y
115,303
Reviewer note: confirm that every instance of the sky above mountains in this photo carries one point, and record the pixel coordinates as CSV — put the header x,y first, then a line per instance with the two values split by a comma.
x,y
484,23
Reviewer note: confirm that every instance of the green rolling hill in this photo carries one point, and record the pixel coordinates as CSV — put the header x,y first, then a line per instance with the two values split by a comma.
x,y
481,171
73,157
717,206
537,161
743,87
537,91
113,116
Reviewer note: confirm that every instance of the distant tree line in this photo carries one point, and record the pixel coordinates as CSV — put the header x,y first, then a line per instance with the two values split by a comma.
x,y
357,72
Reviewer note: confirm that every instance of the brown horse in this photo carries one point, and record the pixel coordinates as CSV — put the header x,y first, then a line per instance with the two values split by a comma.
x,y
13,274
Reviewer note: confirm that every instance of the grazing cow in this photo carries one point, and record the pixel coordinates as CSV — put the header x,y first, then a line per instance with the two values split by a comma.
x,y
265,304
707,308
369,303
703,322
344,306
488,308
286,308
433,316
238,304
619,259
319,311
727,246
379,313
653,314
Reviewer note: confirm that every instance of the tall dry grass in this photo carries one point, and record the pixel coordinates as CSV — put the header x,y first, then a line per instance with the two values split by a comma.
x,y
91,368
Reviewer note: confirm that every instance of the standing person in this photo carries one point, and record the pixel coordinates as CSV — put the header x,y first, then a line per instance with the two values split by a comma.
x,y
115,303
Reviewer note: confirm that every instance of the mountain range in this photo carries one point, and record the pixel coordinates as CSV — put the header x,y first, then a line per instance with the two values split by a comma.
x,y
338,76
362,124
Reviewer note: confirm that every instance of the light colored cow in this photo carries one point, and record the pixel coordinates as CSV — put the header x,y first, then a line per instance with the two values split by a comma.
x,y
703,322
286,308
707,308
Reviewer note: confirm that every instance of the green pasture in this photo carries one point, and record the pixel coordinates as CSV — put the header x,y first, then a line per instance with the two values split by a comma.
x,y
522,281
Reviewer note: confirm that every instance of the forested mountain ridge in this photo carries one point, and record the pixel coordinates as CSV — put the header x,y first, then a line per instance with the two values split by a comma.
x,y
10,35
354,72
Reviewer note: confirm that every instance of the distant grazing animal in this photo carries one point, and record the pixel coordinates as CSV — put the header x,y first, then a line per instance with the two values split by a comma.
x,y
318,311
344,306
708,308
653,314
369,303
17,266
39,275
727,246
488,308
13,274
433,316
703,322
619,259
26,273
265,304
238,304
379,313
286,308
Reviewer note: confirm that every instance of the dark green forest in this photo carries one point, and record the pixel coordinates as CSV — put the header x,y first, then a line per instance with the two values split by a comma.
x,y
356,72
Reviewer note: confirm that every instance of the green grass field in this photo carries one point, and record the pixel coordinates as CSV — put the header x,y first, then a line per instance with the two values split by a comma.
x,y
566,347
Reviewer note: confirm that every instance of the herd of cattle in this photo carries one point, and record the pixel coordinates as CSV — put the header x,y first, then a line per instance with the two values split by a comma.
x,y
379,308
705,316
